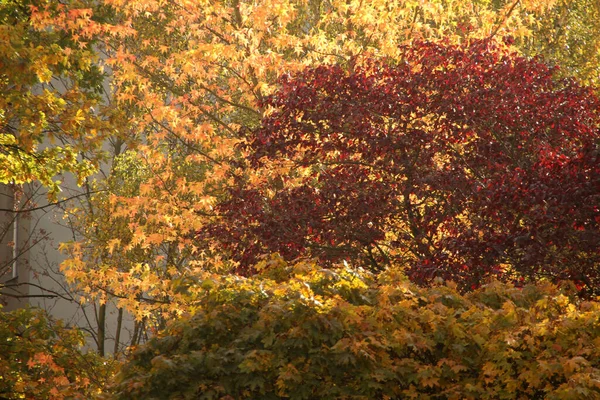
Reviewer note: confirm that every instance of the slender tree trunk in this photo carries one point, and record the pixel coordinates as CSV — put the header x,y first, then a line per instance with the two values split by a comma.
x,y
118,332
136,330
101,329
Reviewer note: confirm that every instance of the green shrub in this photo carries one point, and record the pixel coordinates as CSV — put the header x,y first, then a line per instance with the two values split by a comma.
x,y
301,332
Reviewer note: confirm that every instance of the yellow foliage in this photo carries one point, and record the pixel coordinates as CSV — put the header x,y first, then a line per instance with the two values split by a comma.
x,y
189,74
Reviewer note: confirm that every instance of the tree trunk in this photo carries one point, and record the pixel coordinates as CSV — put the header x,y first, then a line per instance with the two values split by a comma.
x,y
101,329
118,332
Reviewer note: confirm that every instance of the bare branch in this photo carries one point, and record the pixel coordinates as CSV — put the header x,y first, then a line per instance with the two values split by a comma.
x,y
53,294
50,204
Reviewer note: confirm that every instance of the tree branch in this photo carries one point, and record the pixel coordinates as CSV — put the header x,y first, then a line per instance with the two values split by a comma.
x,y
50,204
28,296
508,13
53,294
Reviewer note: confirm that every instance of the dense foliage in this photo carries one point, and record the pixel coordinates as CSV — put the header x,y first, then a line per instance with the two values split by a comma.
x,y
300,332
43,359
50,95
376,149
186,75
462,162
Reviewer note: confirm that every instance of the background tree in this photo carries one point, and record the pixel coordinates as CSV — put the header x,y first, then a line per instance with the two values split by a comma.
x,y
57,126
460,162
568,36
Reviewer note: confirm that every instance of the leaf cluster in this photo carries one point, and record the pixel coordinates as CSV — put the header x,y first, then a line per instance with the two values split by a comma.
x,y
43,359
50,87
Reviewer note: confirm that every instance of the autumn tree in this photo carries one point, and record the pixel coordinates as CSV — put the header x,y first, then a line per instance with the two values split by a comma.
x,y
50,90
58,125
189,75
460,162
50,108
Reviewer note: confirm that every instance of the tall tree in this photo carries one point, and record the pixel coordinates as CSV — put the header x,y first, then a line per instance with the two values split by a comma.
x,y
56,123
191,74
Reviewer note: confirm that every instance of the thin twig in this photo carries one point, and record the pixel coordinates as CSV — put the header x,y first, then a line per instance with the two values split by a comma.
x,y
50,204
510,11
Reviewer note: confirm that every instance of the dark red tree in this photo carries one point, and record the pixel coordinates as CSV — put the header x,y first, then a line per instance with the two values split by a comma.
x,y
458,162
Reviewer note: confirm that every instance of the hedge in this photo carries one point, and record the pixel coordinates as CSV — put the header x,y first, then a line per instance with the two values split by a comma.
x,y
300,332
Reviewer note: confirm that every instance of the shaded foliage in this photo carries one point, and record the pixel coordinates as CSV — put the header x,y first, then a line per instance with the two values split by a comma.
x,y
341,333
